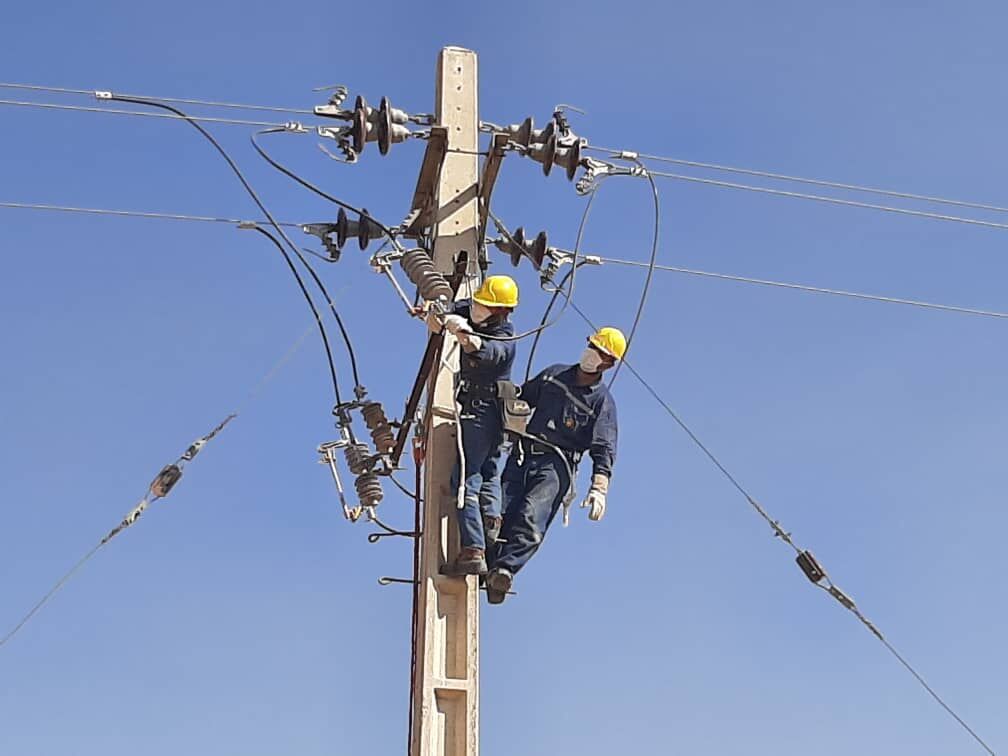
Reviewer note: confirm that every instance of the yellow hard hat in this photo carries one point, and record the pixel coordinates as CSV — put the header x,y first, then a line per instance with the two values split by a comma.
x,y
497,291
609,340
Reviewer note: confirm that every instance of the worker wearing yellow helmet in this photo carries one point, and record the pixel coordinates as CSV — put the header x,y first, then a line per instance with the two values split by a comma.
x,y
573,413
483,330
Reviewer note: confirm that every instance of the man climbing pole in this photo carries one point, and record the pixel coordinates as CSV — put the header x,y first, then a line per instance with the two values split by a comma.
x,y
573,413
483,362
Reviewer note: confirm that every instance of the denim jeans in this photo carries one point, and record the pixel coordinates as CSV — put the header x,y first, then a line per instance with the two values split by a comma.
x,y
482,444
533,494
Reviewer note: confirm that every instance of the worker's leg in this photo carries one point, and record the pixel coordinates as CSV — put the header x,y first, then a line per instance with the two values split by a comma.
x,y
531,505
480,437
490,492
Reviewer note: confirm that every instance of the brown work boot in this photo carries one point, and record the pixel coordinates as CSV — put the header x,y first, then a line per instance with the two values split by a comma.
x,y
470,561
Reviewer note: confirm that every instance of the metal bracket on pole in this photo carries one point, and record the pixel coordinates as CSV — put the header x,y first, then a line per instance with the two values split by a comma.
x,y
423,210
491,167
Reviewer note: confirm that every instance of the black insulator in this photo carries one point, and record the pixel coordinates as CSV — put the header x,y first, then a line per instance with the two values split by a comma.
x,y
365,229
420,270
165,480
369,489
378,424
812,569
358,458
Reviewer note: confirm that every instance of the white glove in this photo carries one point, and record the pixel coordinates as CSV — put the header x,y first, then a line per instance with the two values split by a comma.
x,y
470,341
595,501
456,323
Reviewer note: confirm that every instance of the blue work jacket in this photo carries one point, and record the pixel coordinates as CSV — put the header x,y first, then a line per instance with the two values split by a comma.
x,y
492,361
575,418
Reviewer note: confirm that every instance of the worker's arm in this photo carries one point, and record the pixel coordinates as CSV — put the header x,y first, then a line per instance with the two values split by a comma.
x,y
603,445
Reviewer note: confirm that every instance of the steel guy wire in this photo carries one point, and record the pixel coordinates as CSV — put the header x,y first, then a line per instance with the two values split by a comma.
x,y
812,289
785,536
118,111
135,213
265,211
809,181
183,100
159,488
253,393
830,200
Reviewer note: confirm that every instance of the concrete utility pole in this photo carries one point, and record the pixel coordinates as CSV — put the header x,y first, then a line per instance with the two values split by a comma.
x,y
446,679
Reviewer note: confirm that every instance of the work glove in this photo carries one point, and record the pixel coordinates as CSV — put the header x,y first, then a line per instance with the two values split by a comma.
x,y
595,501
470,341
455,324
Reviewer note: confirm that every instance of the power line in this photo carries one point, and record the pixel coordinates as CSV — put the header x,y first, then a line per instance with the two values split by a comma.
x,y
135,213
813,182
119,111
813,289
208,103
611,260
824,582
830,200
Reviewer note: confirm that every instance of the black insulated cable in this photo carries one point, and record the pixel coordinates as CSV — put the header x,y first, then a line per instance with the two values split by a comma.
x,y
269,217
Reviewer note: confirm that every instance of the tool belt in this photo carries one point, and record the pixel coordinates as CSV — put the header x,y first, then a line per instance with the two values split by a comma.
x,y
516,412
535,448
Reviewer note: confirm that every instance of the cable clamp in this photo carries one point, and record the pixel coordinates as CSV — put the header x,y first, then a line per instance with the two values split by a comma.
x,y
248,225
101,94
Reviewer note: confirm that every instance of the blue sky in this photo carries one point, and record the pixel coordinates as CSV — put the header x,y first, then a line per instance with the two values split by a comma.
x,y
242,614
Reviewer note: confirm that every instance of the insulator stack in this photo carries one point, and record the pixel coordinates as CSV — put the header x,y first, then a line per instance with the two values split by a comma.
x,y
420,270
358,458
378,424
369,489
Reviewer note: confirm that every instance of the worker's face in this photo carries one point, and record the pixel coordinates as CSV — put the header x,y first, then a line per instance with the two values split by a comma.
x,y
594,360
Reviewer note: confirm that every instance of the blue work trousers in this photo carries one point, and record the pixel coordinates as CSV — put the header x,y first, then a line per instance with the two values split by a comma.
x,y
483,446
533,493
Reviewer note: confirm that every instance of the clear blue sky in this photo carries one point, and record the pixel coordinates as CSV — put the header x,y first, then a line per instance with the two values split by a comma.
x,y
242,614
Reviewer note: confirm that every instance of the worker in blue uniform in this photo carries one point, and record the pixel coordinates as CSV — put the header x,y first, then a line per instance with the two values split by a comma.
x,y
573,413
486,358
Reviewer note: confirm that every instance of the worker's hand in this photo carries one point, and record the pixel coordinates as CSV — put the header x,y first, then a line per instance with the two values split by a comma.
x,y
595,501
456,323
433,321
470,341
